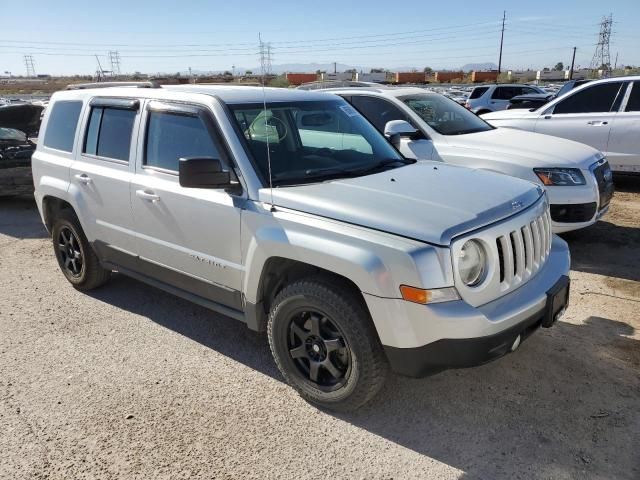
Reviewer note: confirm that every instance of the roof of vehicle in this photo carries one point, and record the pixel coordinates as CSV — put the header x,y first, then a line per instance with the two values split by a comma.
x,y
229,94
382,92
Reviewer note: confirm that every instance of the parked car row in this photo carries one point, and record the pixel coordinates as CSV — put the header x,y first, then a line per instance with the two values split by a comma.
x,y
364,229
604,114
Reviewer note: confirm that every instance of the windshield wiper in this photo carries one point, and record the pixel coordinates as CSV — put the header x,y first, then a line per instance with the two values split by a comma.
x,y
384,163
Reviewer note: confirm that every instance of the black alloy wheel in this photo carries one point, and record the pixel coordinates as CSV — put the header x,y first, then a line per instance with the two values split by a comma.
x,y
318,349
70,252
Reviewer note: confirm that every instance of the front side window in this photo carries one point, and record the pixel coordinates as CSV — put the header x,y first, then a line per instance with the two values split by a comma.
x,y
172,136
109,133
633,105
312,141
377,110
594,99
61,126
444,115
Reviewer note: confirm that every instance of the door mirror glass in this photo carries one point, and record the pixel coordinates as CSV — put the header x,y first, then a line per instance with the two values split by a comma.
x,y
203,172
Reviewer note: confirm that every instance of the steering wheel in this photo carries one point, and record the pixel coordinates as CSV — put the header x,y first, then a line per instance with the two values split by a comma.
x,y
260,128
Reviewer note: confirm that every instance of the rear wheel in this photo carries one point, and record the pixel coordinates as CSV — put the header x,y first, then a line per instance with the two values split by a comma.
x,y
76,258
324,344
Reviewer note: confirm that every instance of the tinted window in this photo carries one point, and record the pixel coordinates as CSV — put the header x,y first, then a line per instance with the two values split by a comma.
x,y
596,98
172,136
109,132
61,127
633,105
377,111
478,92
506,93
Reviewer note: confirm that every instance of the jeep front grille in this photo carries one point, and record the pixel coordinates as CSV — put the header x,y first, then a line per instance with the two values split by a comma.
x,y
523,251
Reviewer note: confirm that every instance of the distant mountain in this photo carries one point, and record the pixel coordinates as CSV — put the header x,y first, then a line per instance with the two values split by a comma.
x,y
479,66
304,68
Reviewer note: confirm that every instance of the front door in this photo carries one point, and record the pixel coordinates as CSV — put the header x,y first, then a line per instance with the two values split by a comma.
x,y
187,237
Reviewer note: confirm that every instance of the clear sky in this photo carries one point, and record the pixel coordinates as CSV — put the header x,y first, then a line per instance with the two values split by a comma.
x,y
63,37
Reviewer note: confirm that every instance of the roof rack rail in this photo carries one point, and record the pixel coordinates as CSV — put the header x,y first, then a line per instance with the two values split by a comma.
x,y
83,86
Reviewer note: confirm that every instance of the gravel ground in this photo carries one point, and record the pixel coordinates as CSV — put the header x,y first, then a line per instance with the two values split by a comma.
x,y
129,382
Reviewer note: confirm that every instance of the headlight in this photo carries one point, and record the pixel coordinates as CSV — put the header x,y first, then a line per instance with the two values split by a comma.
x,y
560,177
471,263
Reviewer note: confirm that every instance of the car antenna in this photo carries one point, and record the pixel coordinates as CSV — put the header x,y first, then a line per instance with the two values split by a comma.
x,y
263,69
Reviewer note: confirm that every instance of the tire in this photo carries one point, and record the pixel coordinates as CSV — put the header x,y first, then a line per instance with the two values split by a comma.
x,y
348,364
76,258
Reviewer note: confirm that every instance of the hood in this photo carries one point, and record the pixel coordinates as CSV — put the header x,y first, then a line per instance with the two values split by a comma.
x,y
427,201
23,116
527,149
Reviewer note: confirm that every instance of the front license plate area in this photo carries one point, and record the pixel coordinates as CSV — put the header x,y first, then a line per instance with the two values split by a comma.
x,y
557,301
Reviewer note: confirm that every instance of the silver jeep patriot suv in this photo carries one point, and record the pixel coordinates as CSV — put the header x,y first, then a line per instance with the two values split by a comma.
x,y
288,211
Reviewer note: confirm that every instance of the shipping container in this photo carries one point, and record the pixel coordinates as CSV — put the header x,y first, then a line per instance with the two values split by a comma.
x,y
442,77
491,76
300,78
410,77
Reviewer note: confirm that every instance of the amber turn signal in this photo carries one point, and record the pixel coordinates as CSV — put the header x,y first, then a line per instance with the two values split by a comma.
x,y
416,295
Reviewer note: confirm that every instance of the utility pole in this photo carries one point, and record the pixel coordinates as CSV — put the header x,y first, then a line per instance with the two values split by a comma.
x,y
28,63
615,63
100,71
573,59
504,17
601,57
335,67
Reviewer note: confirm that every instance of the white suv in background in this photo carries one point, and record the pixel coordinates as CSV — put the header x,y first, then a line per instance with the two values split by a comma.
x,y
492,98
604,114
429,126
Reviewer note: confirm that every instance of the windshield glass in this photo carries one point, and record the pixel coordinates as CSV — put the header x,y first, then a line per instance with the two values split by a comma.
x,y
12,134
313,141
444,115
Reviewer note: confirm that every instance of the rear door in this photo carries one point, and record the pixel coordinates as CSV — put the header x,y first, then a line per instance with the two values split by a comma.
x,y
501,96
103,169
187,237
584,115
623,150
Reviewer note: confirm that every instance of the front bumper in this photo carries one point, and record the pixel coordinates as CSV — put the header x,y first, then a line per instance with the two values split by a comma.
x,y
423,339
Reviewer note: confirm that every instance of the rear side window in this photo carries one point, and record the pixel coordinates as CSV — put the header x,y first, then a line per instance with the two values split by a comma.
x,y
633,105
478,92
593,99
109,133
506,93
171,137
61,127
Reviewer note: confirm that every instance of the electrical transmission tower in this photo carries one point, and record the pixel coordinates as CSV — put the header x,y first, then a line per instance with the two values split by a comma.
x,y
265,58
114,59
601,57
31,69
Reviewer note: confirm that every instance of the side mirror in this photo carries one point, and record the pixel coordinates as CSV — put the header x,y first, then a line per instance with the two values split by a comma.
x,y
396,129
203,172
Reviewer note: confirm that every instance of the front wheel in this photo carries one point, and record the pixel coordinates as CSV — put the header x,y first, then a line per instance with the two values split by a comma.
x,y
325,345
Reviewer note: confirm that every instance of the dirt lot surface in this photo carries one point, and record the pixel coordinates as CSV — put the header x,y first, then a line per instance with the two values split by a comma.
x,y
129,382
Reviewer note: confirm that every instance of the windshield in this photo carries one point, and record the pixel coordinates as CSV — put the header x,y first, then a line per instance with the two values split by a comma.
x,y
444,115
12,134
313,141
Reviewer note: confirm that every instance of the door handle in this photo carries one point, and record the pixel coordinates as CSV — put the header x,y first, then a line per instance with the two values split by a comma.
x,y
597,123
83,178
145,195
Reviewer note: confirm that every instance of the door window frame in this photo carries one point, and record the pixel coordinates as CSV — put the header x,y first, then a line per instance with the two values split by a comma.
x,y
122,103
571,93
203,112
